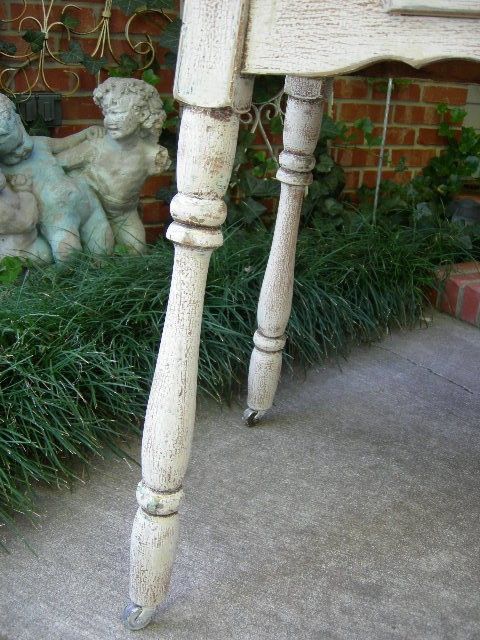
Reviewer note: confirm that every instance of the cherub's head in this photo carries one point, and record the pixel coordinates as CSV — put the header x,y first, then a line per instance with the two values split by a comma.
x,y
129,105
15,143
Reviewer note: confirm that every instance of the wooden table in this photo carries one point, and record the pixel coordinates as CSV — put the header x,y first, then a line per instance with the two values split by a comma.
x,y
224,44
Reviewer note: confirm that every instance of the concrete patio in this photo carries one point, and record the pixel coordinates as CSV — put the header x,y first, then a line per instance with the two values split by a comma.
x,y
352,512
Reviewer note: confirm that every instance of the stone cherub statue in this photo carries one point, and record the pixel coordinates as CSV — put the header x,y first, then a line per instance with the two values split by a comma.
x,y
87,185
116,160
71,216
18,221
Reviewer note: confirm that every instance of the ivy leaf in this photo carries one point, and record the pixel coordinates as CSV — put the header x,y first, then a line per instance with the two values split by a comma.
x,y
276,124
115,72
332,182
324,164
171,35
469,140
93,65
128,63
271,165
151,77
134,6
333,207
10,268
372,141
245,140
364,124
168,104
125,69
7,47
445,130
260,188
264,164
380,85
457,115
261,156
171,122
70,22
422,210
160,4
331,129
74,55
130,6
35,39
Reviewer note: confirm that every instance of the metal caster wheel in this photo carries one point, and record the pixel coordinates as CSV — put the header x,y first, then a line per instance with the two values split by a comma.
x,y
252,417
136,617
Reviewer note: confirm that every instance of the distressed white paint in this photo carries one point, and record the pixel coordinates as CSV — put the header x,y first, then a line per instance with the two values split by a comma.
x,y
216,29
152,552
206,151
313,38
449,8
300,37
301,130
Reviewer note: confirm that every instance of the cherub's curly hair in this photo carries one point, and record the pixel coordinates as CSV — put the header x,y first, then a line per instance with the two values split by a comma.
x,y
143,97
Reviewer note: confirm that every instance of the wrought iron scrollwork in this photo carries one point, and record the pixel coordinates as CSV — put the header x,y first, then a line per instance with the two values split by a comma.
x,y
260,113
39,59
24,61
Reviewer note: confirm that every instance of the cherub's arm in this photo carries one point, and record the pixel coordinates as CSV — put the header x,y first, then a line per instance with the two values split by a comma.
x,y
58,145
77,157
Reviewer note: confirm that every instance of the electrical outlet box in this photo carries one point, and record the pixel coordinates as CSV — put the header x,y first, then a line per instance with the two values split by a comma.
x,y
42,105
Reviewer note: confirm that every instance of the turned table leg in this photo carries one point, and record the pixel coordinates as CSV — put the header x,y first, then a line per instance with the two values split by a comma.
x,y
206,151
301,131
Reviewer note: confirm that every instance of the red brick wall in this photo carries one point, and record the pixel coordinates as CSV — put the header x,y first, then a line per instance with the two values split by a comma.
x,y
412,131
413,118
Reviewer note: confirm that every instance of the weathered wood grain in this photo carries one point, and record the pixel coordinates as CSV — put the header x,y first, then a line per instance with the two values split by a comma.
x,y
313,38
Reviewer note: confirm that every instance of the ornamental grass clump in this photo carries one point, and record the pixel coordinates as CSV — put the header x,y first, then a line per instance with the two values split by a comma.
x,y
78,345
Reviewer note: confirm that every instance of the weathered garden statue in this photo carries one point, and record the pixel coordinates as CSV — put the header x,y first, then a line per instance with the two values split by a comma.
x,y
18,221
116,161
87,185
71,216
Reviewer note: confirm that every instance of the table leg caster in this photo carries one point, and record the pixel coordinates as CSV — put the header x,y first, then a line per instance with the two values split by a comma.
x,y
136,617
251,417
